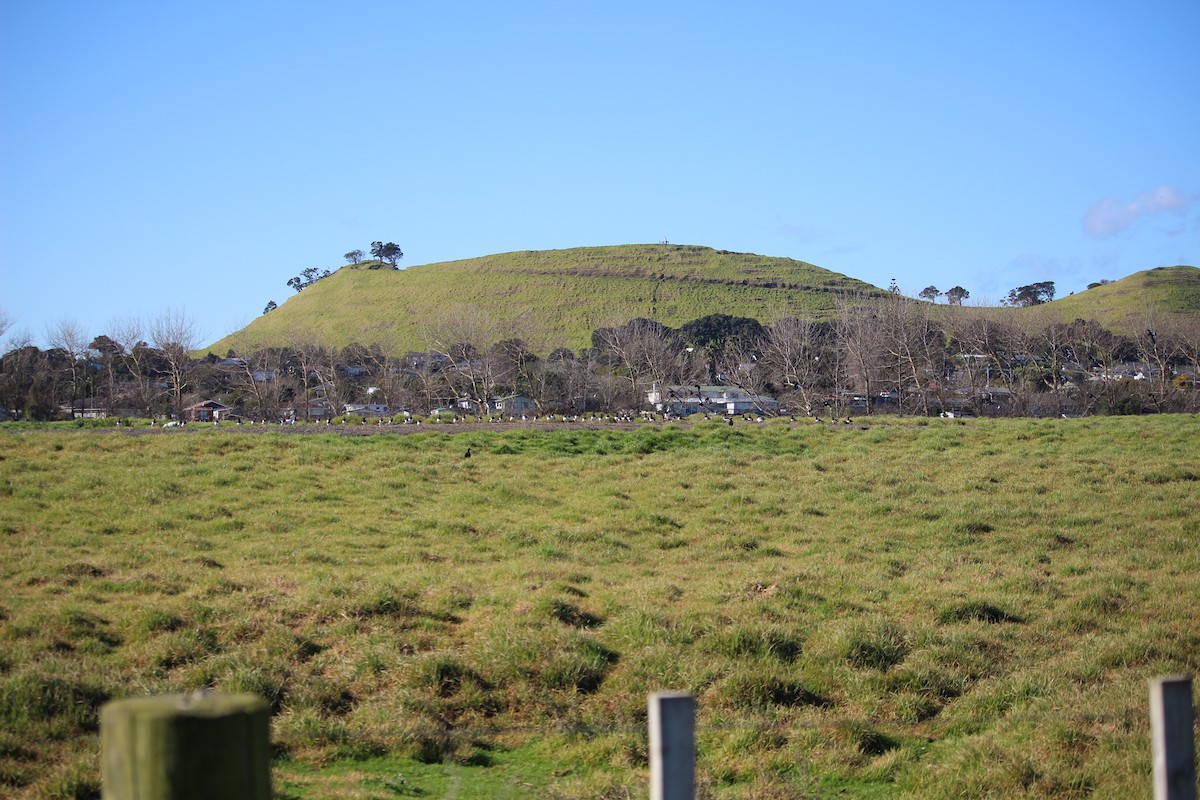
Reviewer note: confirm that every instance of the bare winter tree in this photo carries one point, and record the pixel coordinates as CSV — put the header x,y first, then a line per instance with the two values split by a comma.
x,y
793,354
741,364
386,376
322,374
517,367
974,341
5,322
107,352
130,335
861,345
1097,351
258,374
1159,348
644,351
912,351
464,337
306,355
175,335
612,390
68,337
1054,354
1187,337
560,383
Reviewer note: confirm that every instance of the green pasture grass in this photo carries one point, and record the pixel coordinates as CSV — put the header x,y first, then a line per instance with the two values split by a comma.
x,y
1120,304
957,609
551,298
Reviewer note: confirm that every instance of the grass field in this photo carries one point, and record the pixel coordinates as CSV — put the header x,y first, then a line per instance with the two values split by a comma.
x,y
904,609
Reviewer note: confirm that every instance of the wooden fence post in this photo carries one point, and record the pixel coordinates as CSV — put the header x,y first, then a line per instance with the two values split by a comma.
x,y
672,746
186,747
1171,738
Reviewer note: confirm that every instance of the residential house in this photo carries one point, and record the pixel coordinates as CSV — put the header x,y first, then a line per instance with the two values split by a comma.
x,y
514,404
367,409
208,411
685,400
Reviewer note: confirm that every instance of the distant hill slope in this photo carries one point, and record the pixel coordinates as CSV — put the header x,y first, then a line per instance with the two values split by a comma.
x,y
551,298
555,298
1121,305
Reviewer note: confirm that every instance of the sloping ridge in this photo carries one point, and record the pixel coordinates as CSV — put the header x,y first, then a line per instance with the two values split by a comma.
x,y
1126,304
553,298
550,298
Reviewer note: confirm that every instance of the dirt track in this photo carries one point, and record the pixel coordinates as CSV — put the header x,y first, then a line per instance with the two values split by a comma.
x,y
383,430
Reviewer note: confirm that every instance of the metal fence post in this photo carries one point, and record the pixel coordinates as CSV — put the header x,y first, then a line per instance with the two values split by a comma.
x,y
1172,741
672,746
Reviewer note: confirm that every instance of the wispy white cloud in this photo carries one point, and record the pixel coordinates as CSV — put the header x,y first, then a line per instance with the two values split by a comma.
x,y
1032,267
1111,216
844,250
800,233
1033,263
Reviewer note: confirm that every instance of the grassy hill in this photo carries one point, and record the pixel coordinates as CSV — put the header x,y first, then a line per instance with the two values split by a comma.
x,y
1121,304
550,298
555,298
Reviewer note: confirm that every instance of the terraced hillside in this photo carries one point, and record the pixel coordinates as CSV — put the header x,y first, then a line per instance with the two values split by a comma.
x,y
553,298
550,298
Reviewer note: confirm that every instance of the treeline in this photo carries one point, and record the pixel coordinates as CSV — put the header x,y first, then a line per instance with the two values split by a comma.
x,y
893,356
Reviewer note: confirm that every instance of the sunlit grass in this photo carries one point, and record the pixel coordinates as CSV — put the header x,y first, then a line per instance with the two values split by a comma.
x,y
925,610
568,292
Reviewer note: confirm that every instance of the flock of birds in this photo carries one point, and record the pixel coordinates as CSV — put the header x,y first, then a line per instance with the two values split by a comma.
x,y
554,418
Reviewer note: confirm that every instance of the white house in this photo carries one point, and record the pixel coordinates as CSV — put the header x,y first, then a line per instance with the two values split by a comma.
x,y
514,404
684,400
367,409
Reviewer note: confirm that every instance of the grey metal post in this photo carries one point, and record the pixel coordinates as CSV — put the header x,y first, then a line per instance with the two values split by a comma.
x,y
1171,738
672,746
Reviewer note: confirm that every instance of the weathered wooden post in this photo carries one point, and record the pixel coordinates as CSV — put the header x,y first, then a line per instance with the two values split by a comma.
x,y
672,746
1171,738
186,747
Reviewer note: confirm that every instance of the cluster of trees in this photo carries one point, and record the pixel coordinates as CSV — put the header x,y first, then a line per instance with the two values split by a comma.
x,y
384,252
954,296
896,355
1032,295
142,367
307,278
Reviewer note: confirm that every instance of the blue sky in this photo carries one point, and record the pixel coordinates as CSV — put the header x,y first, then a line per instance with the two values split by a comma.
x,y
165,156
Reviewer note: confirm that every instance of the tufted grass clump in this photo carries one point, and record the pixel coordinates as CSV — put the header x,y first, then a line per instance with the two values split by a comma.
x,y
758,641
976,611
875,644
